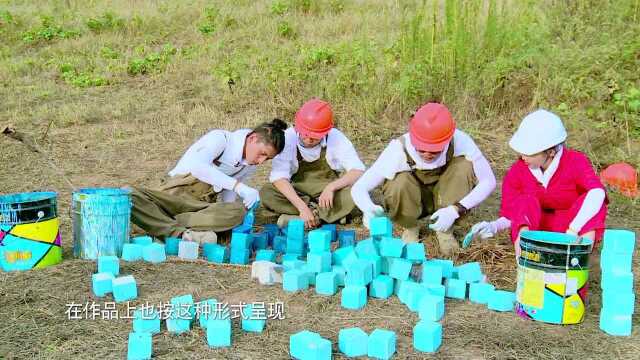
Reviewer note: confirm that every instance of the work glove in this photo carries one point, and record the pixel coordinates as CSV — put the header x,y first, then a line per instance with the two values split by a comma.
x,y
484,229
375,211
444,218
249,195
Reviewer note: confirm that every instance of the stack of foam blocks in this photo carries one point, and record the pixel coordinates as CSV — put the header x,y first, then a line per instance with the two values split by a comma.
x,y
618,297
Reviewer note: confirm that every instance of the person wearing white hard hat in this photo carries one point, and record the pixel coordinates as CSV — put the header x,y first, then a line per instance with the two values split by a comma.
x,y
550,187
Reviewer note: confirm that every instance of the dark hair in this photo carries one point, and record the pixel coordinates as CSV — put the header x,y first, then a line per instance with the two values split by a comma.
x,y
272,133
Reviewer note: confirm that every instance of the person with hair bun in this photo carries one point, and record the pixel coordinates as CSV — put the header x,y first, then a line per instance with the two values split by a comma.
x,y
200,195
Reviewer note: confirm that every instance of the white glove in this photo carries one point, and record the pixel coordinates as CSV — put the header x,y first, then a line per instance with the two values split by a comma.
x,y
248,194
444,218
484,229
375,211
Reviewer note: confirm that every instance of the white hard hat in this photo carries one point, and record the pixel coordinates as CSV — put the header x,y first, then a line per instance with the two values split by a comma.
x,y
538,131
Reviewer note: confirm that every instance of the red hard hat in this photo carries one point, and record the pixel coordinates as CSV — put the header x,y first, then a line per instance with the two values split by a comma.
x,y
431,128
623,177
314,119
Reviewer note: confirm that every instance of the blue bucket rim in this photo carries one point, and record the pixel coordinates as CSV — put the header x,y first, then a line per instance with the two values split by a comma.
x,y
556,238
27,197
103,191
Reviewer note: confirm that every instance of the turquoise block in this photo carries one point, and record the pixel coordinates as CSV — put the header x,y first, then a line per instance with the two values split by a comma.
x,y
295,246
340,272
621,241
366,247
346,238
109,264
405,290
205,310
437,290
188,250
431,274
375,261
501,300
272,229
400,269
415,252
446,265
332,229
131,252
354,297
295,280
139,346
300,344
280,244
260,241
479,293
381,344
380,227
415,296
219,333
154,253
184,305
454,272
327,283
320,262
295,229
146,320
124,288
239,256
101,284
142,240
431,308
179,319
616,262
215,253
171,245
470,272
620,282
456,288
310,273
253,320
344,255
384,264
291,256
359,273
241,241
614,324
266,255
618,303
352,342
381,287
317,349
293,264
427,336
319,241
390,246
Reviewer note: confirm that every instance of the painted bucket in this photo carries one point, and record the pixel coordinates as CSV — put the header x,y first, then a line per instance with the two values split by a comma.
x,y
29,231
553,274
100,221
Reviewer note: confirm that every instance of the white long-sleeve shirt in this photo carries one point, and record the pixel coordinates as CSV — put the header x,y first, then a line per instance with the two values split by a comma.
x,y
225,146
341,155
393,160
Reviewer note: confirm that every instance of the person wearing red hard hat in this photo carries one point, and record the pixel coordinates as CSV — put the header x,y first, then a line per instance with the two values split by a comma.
x,y
434,169
306,174
550,187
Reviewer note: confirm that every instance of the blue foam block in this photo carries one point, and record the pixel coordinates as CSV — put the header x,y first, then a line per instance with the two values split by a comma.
x,y
359,273
346,238
253,320
142,240
479,293
415,296
366,247
146,320
109,264
215,253
390,246
501,300
219,333
427,336
344,255
381,287
311,274
352,342
327,283
205,310
456,288
267,255
431,308
619,303
616,262
280,244
431,274
621,241
415,252
131,252
101,283
260,240
470,272
381,344
181,314
154,253
295,280
613,324
376,263
239,256
385,264
295,229
171,245
320,262
299,344
241,241
139,346
242,229
380,226
291,256
437,290
446,265
296,246
124,288
293,264
340,272
400,269
333,229
405,289
620,282
319,241
354,297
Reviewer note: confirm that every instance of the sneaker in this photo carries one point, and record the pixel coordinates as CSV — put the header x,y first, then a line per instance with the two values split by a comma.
x,y
447,243
411,235
201,237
